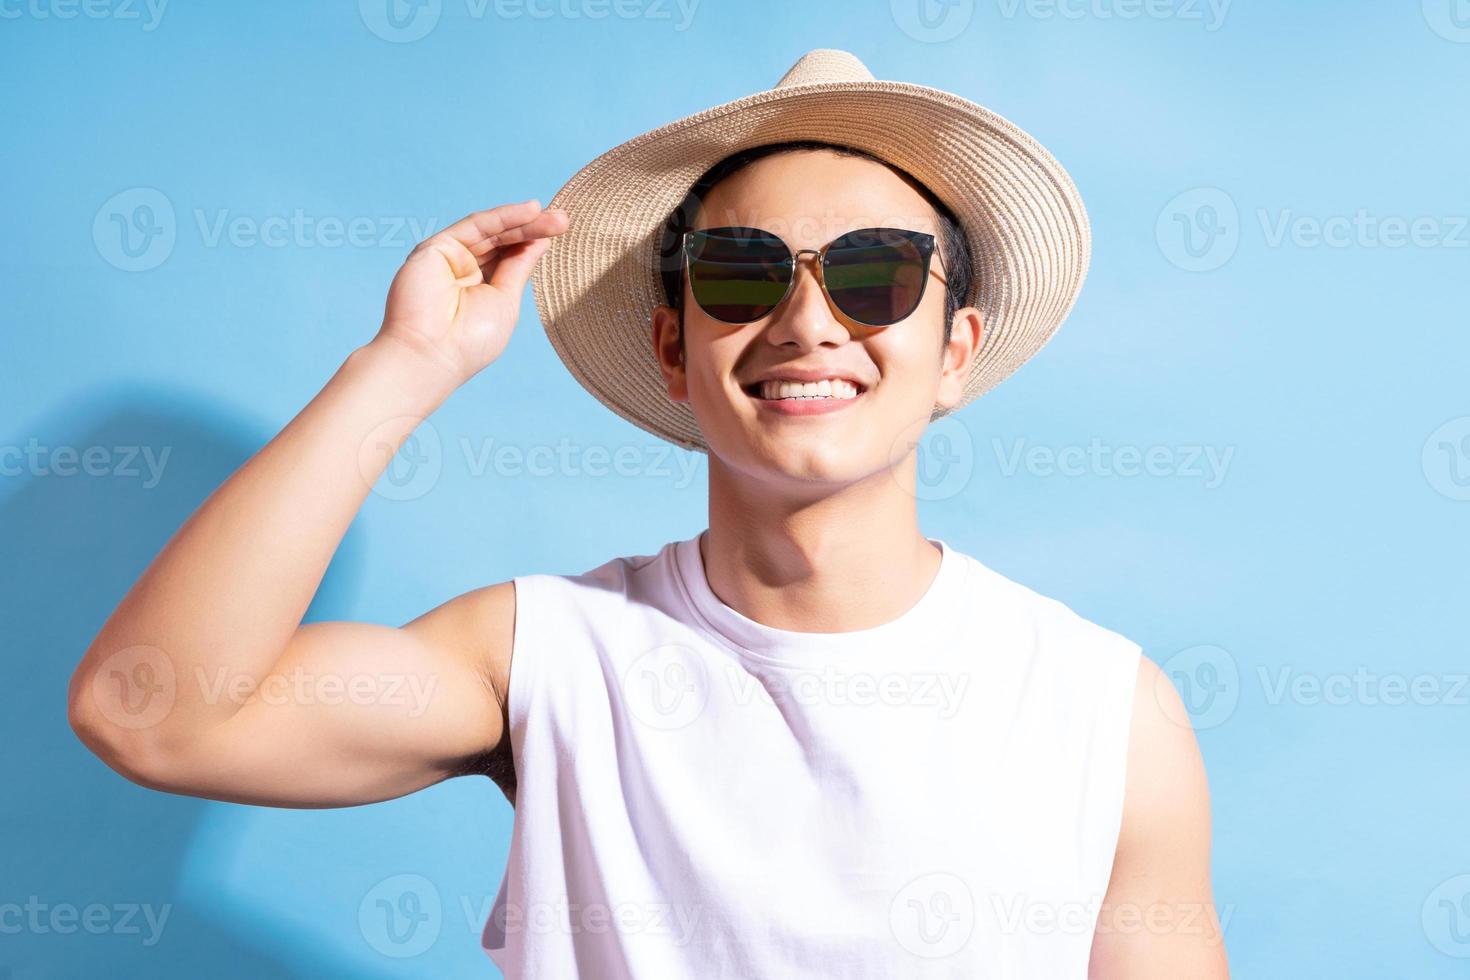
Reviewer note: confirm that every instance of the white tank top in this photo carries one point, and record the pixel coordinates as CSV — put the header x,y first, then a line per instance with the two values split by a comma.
x,y
700,795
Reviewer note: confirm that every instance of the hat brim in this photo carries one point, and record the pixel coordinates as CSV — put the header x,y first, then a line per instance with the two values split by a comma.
x,y
597,284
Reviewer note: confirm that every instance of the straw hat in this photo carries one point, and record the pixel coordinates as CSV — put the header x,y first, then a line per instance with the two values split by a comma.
x,y
596,285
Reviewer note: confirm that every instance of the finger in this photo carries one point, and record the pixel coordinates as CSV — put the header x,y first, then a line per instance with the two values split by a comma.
x,y
546,224
480,230
462,264
476,227
515,265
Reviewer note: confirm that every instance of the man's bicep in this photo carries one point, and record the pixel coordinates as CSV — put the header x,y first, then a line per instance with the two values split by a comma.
x,y
356,713
1159,919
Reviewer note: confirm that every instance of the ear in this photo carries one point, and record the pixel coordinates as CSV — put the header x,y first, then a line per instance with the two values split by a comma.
x,y
665,329
966,337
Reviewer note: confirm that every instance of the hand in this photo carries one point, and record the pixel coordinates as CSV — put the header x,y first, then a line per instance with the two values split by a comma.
x,y
456,299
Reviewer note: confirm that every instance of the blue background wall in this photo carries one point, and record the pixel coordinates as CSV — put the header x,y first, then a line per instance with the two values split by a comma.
x,y
1278,194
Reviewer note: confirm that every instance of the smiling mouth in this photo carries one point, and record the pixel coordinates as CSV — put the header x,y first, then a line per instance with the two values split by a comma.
x,y
821,391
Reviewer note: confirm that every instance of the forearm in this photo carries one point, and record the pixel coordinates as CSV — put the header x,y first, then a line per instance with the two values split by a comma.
x,y
225,595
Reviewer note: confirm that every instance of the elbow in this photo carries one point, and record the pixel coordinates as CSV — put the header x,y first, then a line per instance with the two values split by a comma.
x,y
81,713
130,752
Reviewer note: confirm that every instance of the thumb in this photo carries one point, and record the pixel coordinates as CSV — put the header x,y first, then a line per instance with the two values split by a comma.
x,y
514,264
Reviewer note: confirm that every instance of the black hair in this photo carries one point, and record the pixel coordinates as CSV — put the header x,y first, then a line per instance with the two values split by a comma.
x,y
953,244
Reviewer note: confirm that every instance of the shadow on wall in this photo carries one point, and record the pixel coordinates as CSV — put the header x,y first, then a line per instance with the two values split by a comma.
x,y
90,867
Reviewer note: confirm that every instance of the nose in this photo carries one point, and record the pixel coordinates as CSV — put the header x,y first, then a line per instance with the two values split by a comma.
x,y
804,318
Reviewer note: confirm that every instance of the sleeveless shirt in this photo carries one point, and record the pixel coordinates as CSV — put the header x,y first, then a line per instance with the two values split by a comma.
x,y
700,795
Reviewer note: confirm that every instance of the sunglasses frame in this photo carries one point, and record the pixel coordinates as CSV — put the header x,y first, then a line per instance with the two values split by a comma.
x,y
926,241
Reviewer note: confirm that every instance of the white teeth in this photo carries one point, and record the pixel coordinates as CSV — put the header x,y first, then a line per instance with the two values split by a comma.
x,y
826,388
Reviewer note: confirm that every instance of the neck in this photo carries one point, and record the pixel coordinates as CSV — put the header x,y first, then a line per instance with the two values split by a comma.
x,y
847,560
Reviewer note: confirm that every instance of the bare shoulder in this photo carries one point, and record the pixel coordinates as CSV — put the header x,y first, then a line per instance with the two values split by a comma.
x,y
1161,870
479,627
1166,773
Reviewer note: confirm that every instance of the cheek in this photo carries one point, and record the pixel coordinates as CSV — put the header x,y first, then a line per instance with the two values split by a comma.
x,y
711,355
907,356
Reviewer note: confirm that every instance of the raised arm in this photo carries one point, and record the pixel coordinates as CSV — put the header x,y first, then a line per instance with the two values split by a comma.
x,y
204,681
1158,920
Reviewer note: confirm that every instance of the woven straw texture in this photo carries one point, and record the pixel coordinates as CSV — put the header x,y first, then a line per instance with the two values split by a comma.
x,y
597,284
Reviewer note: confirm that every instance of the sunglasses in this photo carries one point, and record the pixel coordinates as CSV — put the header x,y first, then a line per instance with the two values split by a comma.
x,y
875,277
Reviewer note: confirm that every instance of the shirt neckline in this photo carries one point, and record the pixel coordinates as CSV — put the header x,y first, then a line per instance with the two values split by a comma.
x,y
759,641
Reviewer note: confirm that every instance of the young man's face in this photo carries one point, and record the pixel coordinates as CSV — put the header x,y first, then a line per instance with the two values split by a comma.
x,y
808,199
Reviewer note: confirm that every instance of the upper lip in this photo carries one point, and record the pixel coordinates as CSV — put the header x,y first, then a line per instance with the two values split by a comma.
x,y
805,375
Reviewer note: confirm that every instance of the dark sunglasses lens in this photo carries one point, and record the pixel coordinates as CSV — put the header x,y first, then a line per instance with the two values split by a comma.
x,y
738,274
876,275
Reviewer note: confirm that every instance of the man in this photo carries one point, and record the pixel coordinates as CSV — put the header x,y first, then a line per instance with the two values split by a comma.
x,y
808,741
